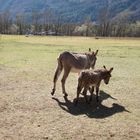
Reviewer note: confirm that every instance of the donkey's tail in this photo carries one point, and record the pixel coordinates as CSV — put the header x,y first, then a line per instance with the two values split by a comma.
x,y
57,73
58,70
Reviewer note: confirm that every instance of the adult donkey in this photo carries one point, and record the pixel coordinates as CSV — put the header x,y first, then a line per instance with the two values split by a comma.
x,y
73,62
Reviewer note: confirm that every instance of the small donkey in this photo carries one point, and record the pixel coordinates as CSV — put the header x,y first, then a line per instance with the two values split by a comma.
x,y
92,78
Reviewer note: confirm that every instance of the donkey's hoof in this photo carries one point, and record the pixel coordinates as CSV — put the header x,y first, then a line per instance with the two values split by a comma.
x,y
65,94
53,91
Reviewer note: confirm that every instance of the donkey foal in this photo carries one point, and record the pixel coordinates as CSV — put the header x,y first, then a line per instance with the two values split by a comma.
x,y
92,78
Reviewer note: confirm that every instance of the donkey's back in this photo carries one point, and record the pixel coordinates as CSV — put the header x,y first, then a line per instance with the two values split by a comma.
x,y
88,78
74,60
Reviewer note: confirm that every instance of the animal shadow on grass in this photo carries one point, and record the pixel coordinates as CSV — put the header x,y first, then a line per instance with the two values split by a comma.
x,y
94,109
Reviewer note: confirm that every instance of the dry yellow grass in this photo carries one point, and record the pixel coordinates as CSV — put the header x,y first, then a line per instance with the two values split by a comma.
x,y
27,110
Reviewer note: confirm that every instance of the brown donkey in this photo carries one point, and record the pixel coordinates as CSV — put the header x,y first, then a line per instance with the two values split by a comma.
x,y
73,62
92,78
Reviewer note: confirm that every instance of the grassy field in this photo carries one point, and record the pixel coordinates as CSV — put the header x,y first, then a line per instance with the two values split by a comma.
x,y
28,111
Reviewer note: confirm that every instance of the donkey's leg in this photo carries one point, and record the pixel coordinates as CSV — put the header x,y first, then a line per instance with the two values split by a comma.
x,y
66,73
56,75
91,90
97,91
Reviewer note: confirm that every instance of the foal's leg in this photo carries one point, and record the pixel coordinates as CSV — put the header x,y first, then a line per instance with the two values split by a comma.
x,y
85,94
97,91
66,73
79,88
91,90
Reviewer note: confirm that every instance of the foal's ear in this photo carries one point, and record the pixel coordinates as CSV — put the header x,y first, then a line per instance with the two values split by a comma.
x,y
89,50
104,67
96,52
111,69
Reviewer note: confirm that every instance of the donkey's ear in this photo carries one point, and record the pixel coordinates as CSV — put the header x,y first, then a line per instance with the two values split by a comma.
x,y
89,50
104,67
96,52
111,69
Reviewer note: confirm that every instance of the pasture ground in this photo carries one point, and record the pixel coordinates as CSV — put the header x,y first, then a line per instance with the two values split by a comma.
x,y
28,111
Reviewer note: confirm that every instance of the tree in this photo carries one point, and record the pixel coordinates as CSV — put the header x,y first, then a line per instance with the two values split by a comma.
x,y
5,22
36,16
104,22
13,29
89,24
80,30
48,18
20,22
58,24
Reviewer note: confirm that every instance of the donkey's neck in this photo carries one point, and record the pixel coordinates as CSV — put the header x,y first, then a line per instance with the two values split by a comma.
x,y
88,63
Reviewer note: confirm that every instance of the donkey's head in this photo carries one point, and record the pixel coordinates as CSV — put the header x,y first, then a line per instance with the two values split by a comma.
x,y
92,58
107,75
